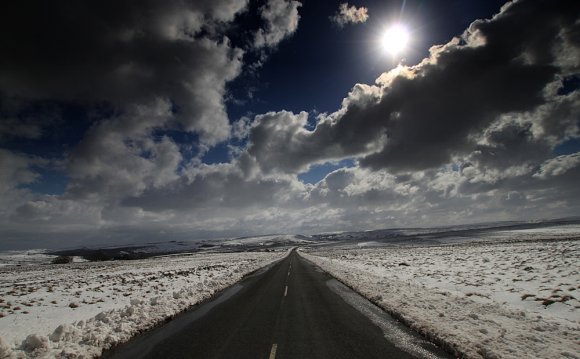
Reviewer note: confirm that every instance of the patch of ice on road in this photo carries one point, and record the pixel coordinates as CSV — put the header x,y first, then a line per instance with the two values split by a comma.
x,y
79,309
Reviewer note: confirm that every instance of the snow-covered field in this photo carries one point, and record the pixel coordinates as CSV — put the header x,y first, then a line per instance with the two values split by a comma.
x,y
23,258
502,299
545,233
288,239
78,309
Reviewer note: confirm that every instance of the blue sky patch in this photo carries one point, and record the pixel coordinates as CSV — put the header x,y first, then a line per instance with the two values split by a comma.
x,y
318,172
52,182
568,147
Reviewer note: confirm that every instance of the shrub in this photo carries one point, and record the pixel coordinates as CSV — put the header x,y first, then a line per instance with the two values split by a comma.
x,y
62,260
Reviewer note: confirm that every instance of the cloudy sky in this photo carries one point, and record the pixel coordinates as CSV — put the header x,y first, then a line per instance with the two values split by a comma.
x,y
124,121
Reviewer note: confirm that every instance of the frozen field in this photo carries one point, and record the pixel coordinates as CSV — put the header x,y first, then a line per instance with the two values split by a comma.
x,y
506,299
571,231
76,310
24,258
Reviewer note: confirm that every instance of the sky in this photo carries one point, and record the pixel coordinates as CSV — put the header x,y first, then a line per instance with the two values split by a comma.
x,y
128,122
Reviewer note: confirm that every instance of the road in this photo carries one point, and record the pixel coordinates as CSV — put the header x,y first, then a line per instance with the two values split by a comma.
x,y
291,310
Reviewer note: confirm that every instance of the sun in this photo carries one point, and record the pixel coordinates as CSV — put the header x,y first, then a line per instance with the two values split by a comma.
x,y
395,39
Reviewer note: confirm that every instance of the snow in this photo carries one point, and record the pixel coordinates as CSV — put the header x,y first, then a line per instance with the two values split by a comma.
x,y
509,298
166,247
79,309
501,231
265,240
543,233
29,257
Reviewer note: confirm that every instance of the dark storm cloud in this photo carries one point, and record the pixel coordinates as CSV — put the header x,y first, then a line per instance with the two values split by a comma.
x,y
123,52
420,117
118,157
221,188
511,144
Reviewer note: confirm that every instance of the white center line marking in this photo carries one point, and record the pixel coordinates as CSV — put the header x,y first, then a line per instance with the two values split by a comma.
x,y
286,291
273,351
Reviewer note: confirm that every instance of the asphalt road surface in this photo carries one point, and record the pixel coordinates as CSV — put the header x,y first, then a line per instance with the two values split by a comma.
x,y
290,310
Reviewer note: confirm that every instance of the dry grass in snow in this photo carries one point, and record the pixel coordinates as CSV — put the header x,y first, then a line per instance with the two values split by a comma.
x,y
79,309
483,300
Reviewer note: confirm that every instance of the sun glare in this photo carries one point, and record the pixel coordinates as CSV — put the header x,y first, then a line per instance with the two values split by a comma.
x,y
395,39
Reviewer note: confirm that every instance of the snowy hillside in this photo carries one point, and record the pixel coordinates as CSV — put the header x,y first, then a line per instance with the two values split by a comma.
x,y
146,250
498,231
271,240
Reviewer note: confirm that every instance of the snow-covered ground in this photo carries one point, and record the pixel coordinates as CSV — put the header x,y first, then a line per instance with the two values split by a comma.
x,y
490,299
542,233
22,258
78,309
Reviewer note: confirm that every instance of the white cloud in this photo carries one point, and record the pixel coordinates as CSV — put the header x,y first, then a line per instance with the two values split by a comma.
x,y
16,169
281,20
350,15
10,127
558,166
118,157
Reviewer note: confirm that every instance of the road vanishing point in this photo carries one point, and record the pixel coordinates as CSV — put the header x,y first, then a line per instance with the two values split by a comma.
x,y
291,309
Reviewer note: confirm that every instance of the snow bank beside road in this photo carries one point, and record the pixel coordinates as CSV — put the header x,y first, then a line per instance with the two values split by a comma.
x,y
77,310
486,300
